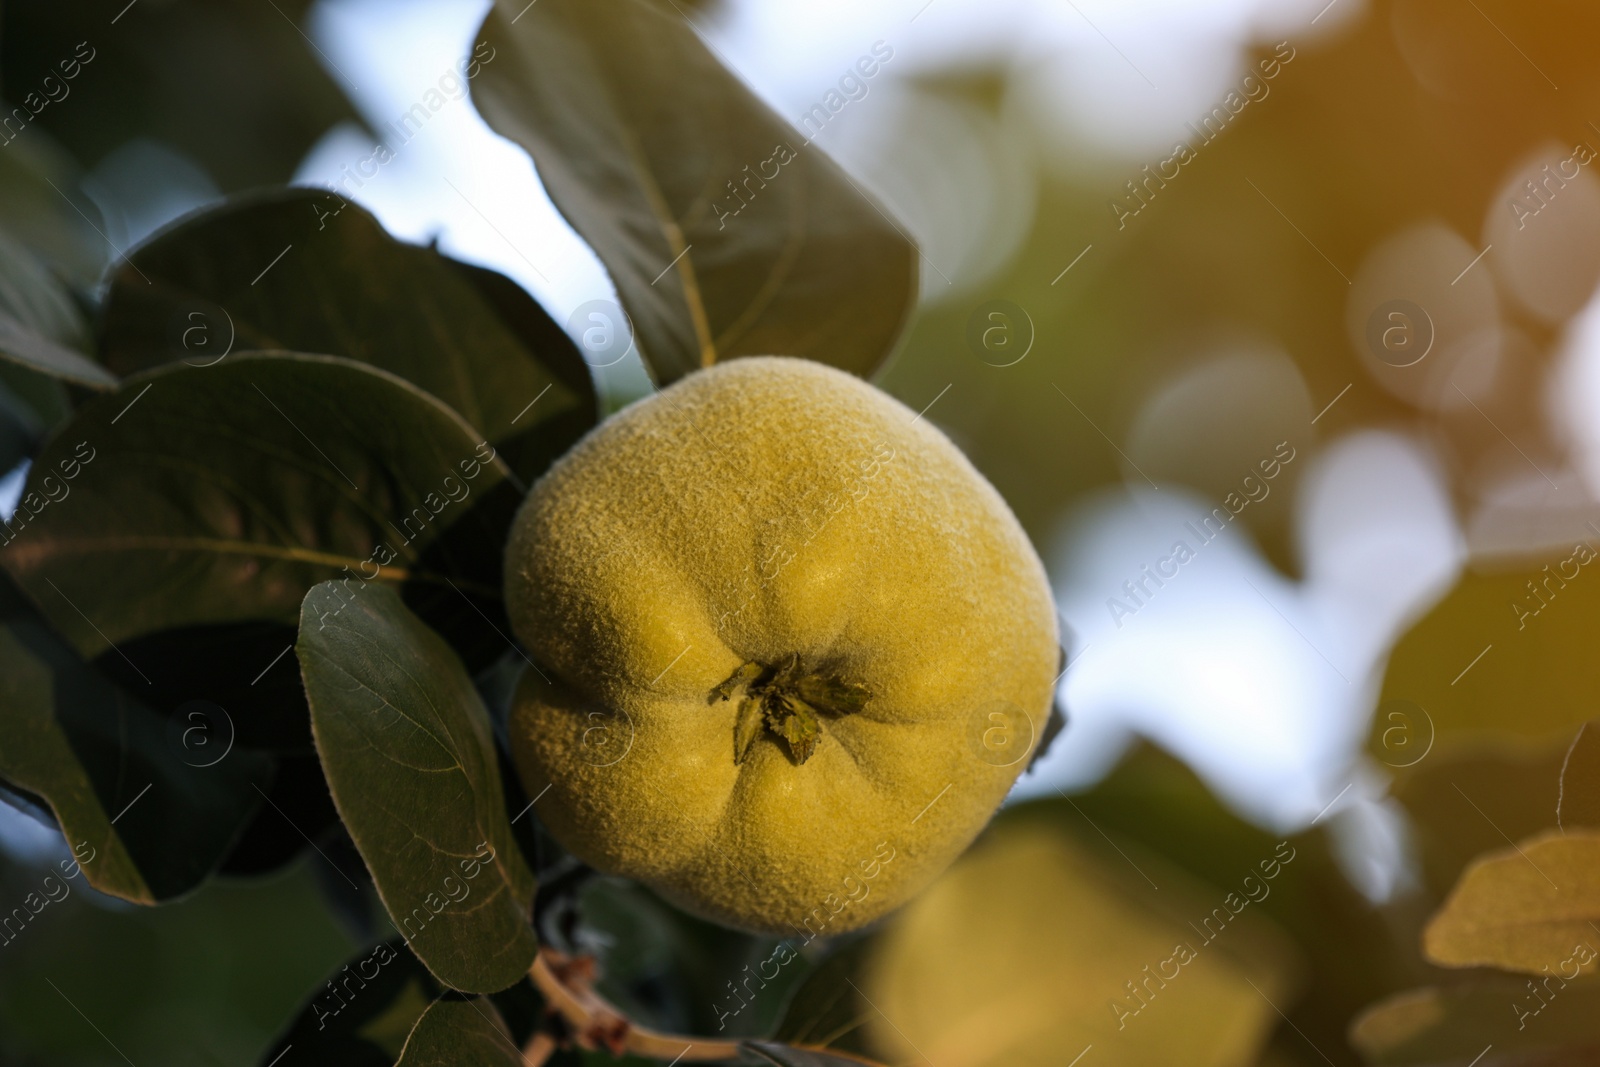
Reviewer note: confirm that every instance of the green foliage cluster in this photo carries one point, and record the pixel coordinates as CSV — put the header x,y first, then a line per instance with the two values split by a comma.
x,y
255,575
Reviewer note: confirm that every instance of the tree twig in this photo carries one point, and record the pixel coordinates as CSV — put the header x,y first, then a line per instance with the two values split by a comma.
x,y
540,1047
565,985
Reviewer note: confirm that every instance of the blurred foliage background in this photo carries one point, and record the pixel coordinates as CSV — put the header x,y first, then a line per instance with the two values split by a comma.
x,y
1405,705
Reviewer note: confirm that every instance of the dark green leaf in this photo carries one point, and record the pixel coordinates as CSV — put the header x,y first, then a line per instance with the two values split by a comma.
x,y
669,970
460,1033
37,402
40,326
1579,804
640,137
15,442
37,352
305,270
236,665
190,75
19,429
342,878
827,1009
409,755
361,1015
522,1008
42,206
146,812
217,496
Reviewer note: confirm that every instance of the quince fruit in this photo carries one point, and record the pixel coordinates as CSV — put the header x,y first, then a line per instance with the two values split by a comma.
x,y
789,649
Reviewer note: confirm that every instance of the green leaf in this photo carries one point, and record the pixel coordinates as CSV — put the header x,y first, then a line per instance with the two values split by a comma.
x,y
460,1033
771,1052
408,752
361,1015
640,136
1579,803
146,813
1525,908
1457,1025
40,326
215,283
211,496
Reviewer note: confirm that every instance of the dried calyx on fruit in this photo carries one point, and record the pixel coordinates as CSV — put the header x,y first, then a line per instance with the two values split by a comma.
x,y
788,701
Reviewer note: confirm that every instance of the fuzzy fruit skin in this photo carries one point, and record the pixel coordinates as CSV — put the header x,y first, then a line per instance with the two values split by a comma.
x,y
760,509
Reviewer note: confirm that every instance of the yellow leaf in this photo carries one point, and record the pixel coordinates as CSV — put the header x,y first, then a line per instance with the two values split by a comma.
x,y
1534,907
